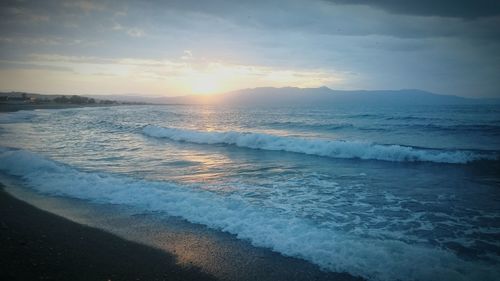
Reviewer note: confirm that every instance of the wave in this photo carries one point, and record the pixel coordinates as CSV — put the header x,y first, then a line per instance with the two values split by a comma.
x,y
314,126
264,227
367,115
412,118
320,147
474,128
18,116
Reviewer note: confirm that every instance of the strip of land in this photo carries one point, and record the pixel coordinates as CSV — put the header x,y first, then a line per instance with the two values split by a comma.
x,y
15,101
37,245
16,107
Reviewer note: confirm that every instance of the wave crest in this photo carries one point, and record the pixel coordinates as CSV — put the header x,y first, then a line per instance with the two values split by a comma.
x,y
373,259
320,147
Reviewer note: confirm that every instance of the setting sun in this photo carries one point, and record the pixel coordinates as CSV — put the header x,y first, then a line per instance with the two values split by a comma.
x,y
204,85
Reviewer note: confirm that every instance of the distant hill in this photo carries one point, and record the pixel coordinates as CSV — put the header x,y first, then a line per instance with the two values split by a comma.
x,y
138,98
29,95
291,96
16,97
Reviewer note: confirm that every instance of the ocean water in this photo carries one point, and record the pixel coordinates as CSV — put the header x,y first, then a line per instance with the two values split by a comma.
x,y
409,193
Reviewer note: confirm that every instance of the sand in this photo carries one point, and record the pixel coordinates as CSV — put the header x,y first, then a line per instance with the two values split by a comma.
x,y
37,245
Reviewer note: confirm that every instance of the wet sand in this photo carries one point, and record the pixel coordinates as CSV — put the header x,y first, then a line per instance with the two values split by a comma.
x,y
37,245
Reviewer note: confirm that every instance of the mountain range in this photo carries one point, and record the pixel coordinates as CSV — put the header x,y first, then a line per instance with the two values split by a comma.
x,y
292,96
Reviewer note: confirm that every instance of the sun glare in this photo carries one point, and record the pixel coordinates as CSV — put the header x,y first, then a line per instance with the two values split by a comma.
x,y
204,85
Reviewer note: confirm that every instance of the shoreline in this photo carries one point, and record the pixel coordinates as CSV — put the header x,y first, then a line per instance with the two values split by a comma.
x,y
188,251
38,245
4,107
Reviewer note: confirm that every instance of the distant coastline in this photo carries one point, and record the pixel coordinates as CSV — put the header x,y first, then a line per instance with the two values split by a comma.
x,y
254,97
15,101
17,107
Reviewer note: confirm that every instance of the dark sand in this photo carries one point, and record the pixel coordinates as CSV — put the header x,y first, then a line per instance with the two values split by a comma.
x,y
36,245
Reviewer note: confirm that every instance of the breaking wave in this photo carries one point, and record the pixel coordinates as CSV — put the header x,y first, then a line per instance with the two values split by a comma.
x,y
330,249
320,147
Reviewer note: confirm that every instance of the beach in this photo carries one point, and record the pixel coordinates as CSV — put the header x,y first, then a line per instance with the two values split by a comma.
x,y
40,245
41,242
37,245
261,197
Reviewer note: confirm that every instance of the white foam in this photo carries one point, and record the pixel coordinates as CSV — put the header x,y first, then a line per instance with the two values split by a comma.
x,y
370,258
329,148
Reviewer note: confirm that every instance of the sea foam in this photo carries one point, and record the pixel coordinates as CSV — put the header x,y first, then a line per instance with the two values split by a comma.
x,y
331,249
320,147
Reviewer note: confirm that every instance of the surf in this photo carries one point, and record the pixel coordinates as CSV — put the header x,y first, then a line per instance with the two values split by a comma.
x,y
330,249
319,147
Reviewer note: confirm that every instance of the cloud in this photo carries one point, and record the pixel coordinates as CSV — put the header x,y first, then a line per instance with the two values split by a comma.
x,y
188,55
468,9
179,73
86,6
132,32
369,44
135,32
22,65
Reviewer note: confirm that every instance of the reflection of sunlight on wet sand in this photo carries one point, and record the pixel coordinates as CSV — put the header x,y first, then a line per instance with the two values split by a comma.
x,y
192,245
188,246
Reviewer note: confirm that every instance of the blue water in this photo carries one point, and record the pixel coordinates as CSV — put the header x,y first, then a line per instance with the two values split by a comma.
x,y
382,193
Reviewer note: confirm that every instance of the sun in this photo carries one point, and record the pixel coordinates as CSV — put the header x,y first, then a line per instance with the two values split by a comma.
x,y
204,85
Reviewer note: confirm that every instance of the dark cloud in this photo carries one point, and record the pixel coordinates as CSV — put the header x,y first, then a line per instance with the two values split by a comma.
x,y
468,9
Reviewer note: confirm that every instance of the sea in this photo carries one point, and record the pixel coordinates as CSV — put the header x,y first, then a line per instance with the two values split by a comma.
x,y
383,193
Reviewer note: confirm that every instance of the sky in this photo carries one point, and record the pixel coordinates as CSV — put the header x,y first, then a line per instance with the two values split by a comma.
x,y
181,47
